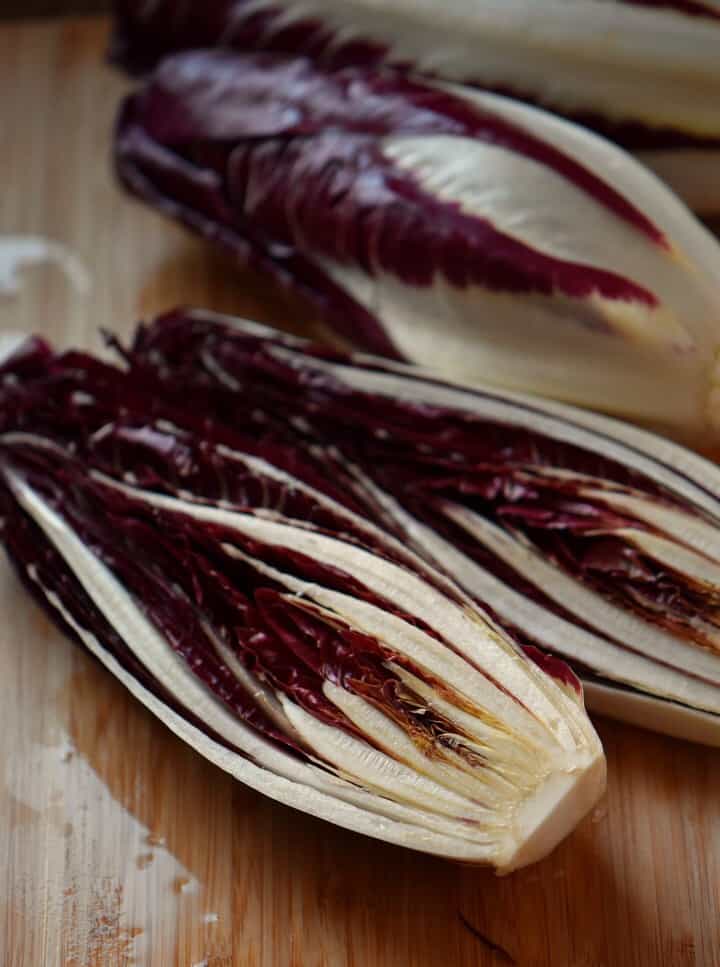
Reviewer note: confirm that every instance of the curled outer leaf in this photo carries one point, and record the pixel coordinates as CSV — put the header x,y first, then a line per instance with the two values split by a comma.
x,y
644,73
589,538
440,224
280,633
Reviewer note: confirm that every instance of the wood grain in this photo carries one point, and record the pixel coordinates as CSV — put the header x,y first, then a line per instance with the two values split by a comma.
x,y
118,845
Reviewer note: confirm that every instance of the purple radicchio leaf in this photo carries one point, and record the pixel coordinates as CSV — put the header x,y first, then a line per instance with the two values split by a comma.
x,y
442,225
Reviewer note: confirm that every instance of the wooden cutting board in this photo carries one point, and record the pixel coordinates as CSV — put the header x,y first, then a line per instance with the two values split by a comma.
x,y
119,845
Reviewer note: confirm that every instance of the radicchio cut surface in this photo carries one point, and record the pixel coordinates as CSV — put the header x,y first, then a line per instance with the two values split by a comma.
x,y
72,425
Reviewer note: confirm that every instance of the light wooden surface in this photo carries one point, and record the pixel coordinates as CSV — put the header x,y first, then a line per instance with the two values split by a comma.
x,y
118,845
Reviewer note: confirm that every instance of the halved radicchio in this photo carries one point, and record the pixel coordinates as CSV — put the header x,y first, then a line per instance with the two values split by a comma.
x,y
441,224
586,537
245,598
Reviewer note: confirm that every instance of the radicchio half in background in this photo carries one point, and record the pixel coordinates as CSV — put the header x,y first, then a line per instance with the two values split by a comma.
x,y
455,228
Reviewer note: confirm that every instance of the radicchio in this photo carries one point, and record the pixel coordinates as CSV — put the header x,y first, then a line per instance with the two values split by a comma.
x,y
526,48
274,627
446,226
585,537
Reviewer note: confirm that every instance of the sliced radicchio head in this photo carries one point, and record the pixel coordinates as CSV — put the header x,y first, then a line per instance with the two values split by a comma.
x,y
525,48
587,538
454,228
275,628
